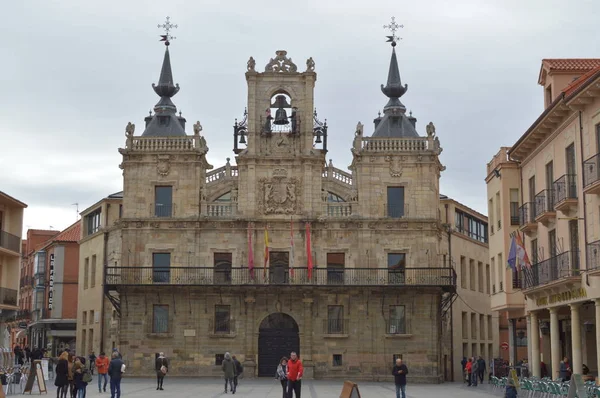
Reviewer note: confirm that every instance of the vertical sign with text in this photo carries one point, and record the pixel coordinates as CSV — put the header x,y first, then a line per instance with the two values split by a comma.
x,y
51,282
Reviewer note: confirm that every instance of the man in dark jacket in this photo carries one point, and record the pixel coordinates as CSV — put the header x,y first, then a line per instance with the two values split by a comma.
x,y
239,369
480,368
400,371
115,372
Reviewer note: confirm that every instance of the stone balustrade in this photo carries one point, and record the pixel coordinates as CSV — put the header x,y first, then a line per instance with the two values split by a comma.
x,y
376,144
166,144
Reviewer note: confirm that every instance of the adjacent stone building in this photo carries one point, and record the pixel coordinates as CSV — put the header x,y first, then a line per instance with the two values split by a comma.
x,y
281,251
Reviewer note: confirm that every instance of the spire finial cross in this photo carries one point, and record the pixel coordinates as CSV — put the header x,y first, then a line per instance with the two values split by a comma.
x,y
167,26
393,27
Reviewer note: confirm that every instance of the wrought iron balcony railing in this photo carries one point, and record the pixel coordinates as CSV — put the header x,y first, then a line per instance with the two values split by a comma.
x,y
8,296
565,188
544,202
527,213
209,276
10,242
336,326
163,210
591,170
593,255
563,265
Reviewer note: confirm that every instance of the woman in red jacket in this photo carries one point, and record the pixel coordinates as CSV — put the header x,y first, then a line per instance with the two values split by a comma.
x,y
469,368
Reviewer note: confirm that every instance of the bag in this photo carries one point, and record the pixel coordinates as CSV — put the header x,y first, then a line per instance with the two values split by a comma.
x,y
163,369
87,377
123,368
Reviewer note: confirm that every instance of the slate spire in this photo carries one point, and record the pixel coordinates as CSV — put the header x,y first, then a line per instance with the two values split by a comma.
x,y
394,89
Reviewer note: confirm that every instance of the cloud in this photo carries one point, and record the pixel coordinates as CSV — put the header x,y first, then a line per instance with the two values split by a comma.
x,y
77,72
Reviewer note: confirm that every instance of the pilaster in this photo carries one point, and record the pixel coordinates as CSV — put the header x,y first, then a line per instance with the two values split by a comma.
x,y
250,354
306,347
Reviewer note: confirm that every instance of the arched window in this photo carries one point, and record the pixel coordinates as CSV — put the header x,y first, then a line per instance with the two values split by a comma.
x,y
226,197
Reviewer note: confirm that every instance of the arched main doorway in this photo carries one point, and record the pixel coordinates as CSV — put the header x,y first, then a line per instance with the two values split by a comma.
x,y
277,337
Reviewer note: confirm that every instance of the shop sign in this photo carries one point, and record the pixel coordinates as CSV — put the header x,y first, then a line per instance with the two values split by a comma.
x,y
51,282
563,296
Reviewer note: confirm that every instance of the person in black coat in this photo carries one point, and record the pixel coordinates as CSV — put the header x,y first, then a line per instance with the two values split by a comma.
x,y
61,379
161,362
400,371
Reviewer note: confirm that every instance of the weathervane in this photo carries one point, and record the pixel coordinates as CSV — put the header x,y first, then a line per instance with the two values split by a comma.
x,y
167,26
393,27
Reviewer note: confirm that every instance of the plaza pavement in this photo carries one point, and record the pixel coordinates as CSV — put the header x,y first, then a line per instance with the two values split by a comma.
x,y
271,388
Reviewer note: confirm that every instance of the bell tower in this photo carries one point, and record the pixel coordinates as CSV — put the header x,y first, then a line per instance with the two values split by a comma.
x,y
280,143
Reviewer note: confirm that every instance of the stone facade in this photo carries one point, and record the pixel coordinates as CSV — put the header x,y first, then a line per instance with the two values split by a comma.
x,y
377,280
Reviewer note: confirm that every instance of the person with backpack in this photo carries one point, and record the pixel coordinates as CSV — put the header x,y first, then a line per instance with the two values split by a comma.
x,y
161,367
239,369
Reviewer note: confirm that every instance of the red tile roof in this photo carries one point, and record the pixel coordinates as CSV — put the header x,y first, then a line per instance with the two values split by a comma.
x,y
581,81
571,64
71,234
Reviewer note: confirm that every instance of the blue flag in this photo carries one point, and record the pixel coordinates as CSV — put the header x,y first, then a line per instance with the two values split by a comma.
x,y
512,255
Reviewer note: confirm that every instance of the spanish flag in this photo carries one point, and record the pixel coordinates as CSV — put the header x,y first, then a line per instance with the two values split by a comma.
x,y
266,265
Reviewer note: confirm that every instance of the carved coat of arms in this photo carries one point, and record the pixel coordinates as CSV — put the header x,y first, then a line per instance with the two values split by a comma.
x,y
279,195
395,166
163,165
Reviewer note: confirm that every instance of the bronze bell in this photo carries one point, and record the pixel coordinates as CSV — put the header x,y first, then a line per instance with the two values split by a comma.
x,y
281,115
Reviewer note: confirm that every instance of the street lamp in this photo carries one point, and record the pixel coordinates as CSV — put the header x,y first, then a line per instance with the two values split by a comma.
x,y
544,328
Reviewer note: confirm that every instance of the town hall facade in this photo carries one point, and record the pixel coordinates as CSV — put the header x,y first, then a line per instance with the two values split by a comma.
x,y
281,251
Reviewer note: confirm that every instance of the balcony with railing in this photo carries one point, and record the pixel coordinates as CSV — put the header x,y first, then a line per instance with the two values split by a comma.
x,y
221,209
8,297
163,210
544,206
593,256
274,276
565,192
527,217
336,326
562,266
9,243
339,209
591,175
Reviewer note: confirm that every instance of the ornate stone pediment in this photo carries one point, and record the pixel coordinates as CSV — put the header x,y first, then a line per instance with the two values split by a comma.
x,y
279,195
281,63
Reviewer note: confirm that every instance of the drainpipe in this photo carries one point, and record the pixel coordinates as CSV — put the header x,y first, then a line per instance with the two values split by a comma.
x,y
105,263
585,236
451,307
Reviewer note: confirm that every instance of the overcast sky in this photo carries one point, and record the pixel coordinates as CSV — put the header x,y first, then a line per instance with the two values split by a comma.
x,y
73,73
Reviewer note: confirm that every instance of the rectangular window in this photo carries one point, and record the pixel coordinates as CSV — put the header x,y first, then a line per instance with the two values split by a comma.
x,y
549,186
120,211
493,261
532,191
480,275
459,222
491,214
521,341
463,272
465,325
514,207
396,268
86,272
335,268
91,341
279,267
92,221
490,351
466,350
93,273
84,318
472,274
222,268
163,201
219,359
488,279
534,251
337,359
598,138
397,319
160,319
473,326
501,272
471,226
474,349
498,212
490,331
222,319
570,159
395,202
91,317
552,243
83,340
481,327
161,267
335,319
574,243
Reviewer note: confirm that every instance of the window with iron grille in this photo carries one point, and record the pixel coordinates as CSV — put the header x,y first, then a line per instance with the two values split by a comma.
x,y
219,359
222,319
222,265
335,268
397,321
337,359
163,201
335,319
160,321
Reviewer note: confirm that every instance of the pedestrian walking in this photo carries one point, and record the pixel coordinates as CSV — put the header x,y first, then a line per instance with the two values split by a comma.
x,y
474,371
400,371
71,375
92,358
228,372
481,368
162,367
282,375
115,372
294,375
239,369
102,366
469,369
78,373
61,380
